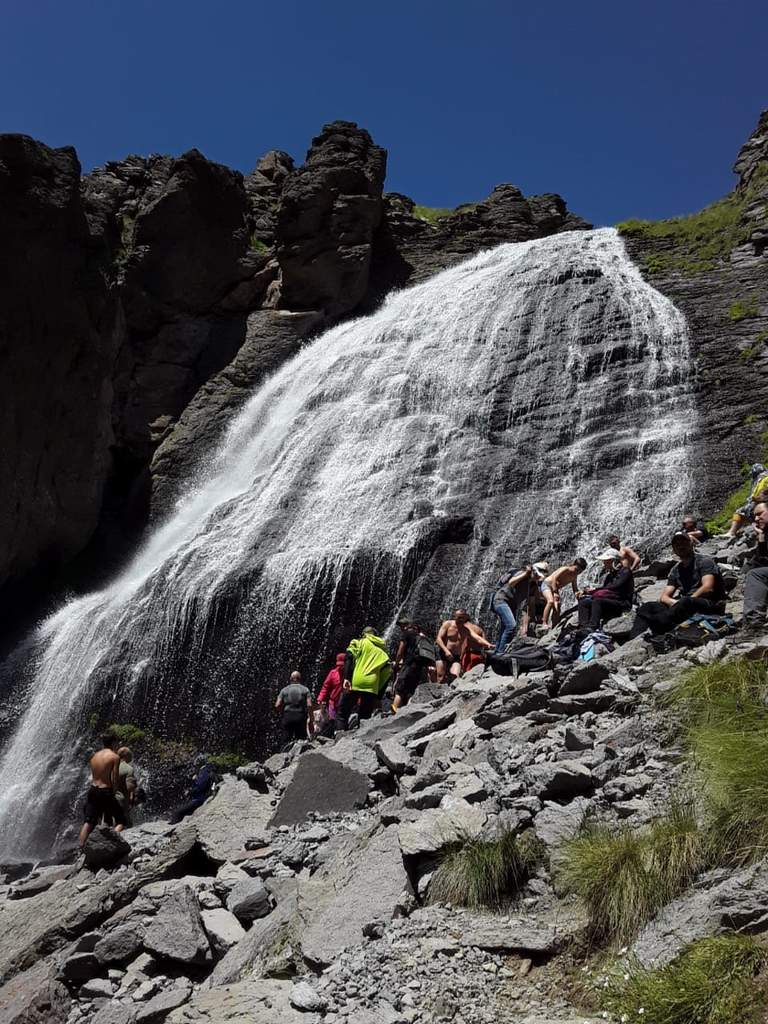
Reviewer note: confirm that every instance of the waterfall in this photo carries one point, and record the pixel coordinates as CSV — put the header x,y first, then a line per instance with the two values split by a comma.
x,y
522,404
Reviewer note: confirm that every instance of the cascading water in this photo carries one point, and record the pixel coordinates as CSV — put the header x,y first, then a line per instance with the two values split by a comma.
x,y
524,403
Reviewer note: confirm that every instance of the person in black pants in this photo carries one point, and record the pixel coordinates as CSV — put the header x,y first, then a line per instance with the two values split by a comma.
x,y
611,597
694,586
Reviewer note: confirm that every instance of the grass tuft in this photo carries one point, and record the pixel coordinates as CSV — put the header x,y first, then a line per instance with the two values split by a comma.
x,y
484,873
713,981
710,693
431,214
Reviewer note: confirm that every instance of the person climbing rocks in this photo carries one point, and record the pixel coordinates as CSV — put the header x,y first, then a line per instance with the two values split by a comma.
x,y
415,654
295,703
758,476
203,782
694,586
613,594
756,580
128,788
510,599
367,670
330,693
101,804
695,529
461,644
629,556
554,583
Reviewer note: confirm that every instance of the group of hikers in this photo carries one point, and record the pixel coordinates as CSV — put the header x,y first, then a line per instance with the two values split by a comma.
x,y
526,600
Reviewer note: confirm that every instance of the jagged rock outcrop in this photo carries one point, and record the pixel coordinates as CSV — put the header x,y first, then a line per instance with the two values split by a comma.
x,y
714,267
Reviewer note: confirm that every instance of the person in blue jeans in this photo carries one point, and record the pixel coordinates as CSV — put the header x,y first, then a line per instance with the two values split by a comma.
x,y
507,599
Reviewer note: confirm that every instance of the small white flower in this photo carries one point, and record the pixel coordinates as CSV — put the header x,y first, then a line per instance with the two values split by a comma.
x,y
641,1011
623,950
626,977
624,1018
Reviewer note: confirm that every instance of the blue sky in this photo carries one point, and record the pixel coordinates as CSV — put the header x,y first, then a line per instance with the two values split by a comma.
x,y
626,109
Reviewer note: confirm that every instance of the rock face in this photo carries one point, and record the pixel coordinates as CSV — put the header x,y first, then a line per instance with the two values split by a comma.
x,y
141,305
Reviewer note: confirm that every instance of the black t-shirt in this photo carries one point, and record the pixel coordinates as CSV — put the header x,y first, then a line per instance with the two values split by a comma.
x,y
410,652
621,582
687,578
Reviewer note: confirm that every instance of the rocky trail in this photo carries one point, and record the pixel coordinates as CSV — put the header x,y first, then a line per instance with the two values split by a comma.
x,y
300,893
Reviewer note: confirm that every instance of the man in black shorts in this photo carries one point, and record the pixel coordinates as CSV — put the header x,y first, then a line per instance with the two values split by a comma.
x,y
410,662
101,804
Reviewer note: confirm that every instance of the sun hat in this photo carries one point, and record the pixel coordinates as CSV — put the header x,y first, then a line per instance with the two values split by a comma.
x,y
609,553
540,568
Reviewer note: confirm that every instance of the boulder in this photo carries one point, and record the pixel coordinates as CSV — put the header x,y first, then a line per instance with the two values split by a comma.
x,y
577,739
555,823
252,954
621,627
249,900
518,936
559,780
40,880
322,785
393,755
97,988
436,829
306,998
104,848
120,944
114,1014
158,1007
364,881
435,721
176,932
235,815
584,677
34,996
577,704
265,1001
352,753
254,774
223,930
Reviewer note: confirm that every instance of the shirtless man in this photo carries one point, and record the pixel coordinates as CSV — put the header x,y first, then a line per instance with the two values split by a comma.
x,y
460,642
100,801
629,556
554,583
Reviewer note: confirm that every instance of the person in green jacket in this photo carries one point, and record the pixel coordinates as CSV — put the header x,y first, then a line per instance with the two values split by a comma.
x,y
367,670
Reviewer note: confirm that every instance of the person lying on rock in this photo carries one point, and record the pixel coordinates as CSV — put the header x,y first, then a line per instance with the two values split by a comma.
x,y
628,555
695,586
295,704
512,598
100,802
461,644
756,580
367,670
613,594
758,476
554,583
695,529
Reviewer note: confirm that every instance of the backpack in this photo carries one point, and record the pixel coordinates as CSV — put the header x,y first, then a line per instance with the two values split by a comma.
x,y
594,645
425,650
520,656
700,629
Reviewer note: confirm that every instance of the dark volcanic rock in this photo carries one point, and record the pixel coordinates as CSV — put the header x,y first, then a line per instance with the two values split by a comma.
x,y
328,213
320,785
104,848
263,187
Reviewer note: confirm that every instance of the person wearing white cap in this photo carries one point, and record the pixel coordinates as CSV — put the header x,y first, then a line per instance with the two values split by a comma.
x,y
611,597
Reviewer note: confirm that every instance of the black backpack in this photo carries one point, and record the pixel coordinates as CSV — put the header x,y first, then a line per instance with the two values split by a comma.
x,y
518,657
425,650
694,632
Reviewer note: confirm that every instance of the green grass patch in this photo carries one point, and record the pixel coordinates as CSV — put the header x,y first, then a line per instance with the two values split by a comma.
x,y
145,743
256,245
624,876
713,981
484,873
743,309
431,214
128,735
227,762
708,694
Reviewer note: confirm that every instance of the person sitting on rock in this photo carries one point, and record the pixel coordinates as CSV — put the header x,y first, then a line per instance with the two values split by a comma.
x,y
613,594
367,670
756,580
329,697
758,476
695,586
554,583
512,596
295,703
101,803
202,786
695,529
628,555
460,643
410,663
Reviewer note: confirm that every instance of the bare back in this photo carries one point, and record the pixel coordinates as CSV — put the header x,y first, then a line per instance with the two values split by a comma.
x,y
105,768
562,577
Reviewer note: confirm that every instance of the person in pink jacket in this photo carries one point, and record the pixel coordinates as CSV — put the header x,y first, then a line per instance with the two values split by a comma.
x,y
332,688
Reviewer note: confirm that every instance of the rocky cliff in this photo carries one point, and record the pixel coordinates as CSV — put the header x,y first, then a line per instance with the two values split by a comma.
x,y
141,303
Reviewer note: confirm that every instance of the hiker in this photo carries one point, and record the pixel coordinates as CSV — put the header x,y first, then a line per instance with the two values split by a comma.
x,y
127,791
628,555
512,595
202,785
554,583
758,476
695,529
295,703
415,653
367,670
330,694
695,586
756,580
101,804
460,644
613,594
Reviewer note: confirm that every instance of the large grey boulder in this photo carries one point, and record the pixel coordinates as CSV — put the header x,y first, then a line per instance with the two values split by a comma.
x,y
584,677
559,780
222,928
363,882
234,816
247,1002
577,704
158,1007
34,997
176,932
104,848
249,899
435,829
121,943
556,823
720,901
306,998
251,956
351,752
322,785
393,755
